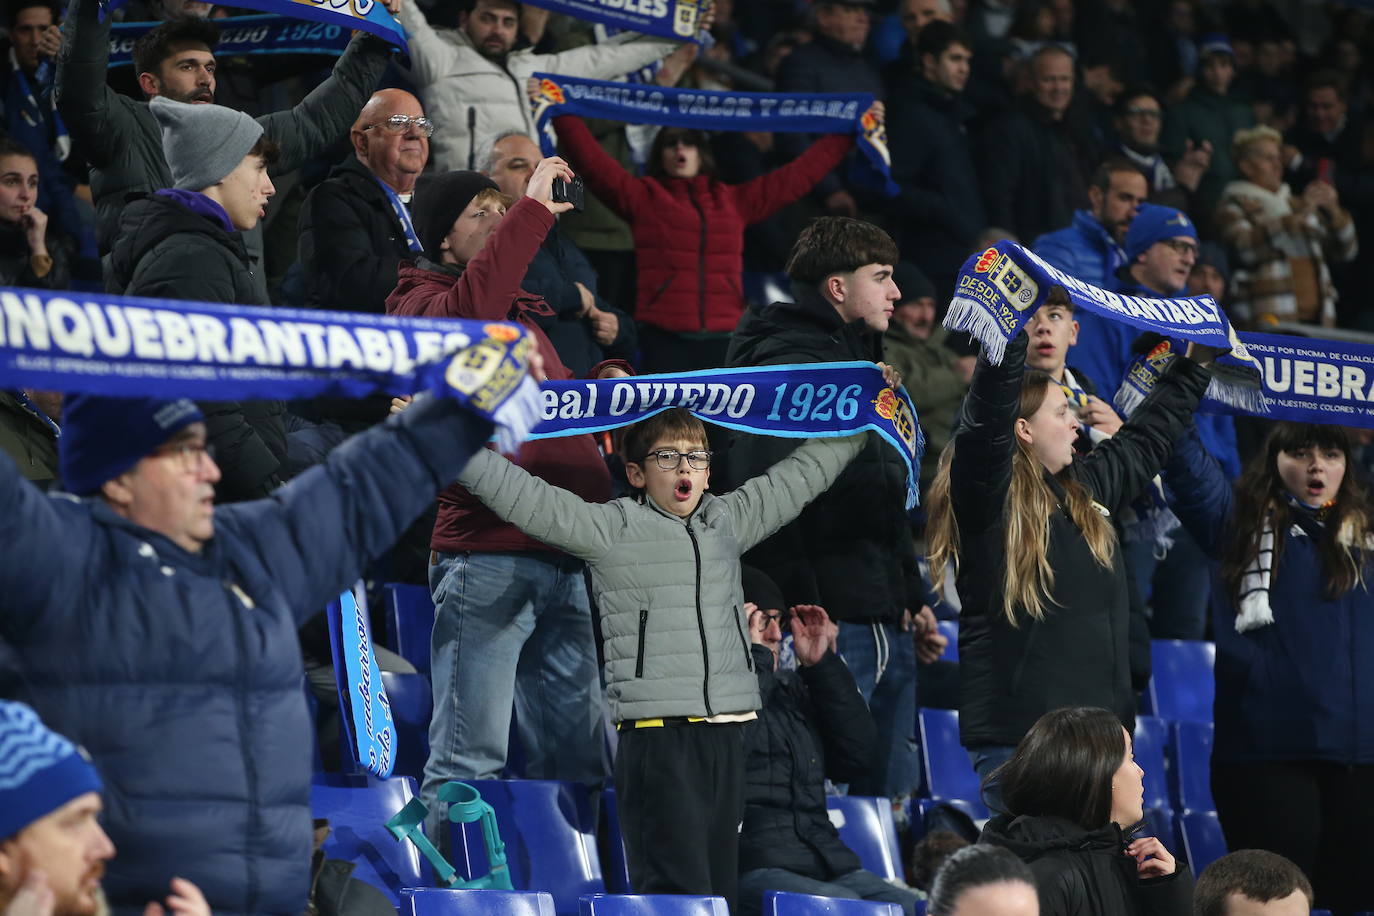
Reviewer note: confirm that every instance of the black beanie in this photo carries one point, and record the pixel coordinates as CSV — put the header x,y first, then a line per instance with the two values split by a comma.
x,y
911,282
761,590
439,201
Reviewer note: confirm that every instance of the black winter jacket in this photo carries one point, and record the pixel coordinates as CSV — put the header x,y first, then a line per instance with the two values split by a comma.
x,y
849,549
814,724
1079,654
1087,873
166,250
1035,171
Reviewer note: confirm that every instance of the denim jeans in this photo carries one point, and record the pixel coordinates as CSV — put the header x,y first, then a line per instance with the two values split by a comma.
x,y
986,758
891,698
857,885
512,628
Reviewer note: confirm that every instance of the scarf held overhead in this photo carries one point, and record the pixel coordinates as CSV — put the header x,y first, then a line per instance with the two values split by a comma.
x,y
819,113
127,346
365,15
675,19
240,35
815,400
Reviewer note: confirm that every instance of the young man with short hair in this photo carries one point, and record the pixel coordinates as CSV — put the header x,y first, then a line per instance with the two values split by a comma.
x,y
851,550
1252,882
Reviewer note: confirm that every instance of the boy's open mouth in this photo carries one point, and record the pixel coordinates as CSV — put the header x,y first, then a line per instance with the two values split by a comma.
x,y
683,489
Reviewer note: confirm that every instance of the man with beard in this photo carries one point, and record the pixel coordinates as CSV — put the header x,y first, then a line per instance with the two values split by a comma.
x,y
176,60
472,80
1089,248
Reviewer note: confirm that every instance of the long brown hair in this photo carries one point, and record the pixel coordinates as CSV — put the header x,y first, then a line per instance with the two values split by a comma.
x,y
1064,766
1028,577
1260,500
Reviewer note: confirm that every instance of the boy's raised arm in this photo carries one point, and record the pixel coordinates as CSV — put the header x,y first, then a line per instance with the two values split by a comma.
x,y
765,503
539,509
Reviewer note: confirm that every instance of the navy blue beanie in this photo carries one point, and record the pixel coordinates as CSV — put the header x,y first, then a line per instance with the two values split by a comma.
x,y
103,437
40,771
1154,223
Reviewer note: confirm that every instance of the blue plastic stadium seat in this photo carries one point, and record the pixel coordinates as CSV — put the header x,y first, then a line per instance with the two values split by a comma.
x,y
651,905
618,868
1159,822
1182,686
1192,768
781,903
433,901
949,774
549,835
975,809
411,702
409,623
1150,740
865,825
357,814
950,630
1203,841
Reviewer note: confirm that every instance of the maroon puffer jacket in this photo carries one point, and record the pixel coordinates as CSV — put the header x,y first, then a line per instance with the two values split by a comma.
x,y
689,232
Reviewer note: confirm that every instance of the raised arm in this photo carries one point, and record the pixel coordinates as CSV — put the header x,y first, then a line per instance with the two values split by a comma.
x,y
93,112
605,177
765,503
324,527
431,57
1199,492
607,60
985,440
1119,469
546,513
326,114
761,197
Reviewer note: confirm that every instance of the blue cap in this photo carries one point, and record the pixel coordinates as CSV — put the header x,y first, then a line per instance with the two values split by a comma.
x,y
1215,43
1154,223
40,771
103,437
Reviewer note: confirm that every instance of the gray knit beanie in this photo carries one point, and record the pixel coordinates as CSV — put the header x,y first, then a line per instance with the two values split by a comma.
x,y
203,143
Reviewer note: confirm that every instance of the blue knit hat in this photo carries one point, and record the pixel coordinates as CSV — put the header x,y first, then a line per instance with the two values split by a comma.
x,y
103,437
40,771
1154,223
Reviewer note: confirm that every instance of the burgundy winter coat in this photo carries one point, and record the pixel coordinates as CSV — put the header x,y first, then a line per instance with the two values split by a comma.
x,y
489,288
689,232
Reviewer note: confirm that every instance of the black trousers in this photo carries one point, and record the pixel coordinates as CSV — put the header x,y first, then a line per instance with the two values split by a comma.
x,y
680,793
1315,813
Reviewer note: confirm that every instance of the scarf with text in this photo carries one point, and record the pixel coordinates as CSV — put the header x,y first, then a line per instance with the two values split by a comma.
x,y
365,15
676,19
242,35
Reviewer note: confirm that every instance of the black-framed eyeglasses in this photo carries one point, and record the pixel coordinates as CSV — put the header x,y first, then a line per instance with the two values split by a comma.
x,y
189,455
399,123
670,459
1182,246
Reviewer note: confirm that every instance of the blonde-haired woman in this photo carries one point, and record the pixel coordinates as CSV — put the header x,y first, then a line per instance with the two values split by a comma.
x,y
1029,530
1281,241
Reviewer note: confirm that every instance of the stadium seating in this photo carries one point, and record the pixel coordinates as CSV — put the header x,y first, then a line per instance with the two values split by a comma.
x,y
357,809
411,702
409,623
1182,688
1203,842
651,905
949,774
617,868
781,903
1150,741
865,825
1192,769
432,901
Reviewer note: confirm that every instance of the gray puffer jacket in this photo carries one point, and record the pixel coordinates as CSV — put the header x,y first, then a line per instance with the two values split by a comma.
x,y
672,610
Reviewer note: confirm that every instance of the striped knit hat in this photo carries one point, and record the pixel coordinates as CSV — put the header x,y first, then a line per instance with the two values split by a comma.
x,y
40,771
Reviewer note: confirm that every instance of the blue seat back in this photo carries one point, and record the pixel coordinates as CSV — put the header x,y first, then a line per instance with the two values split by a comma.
x,y
549,835
949,774
975,809
782,903
1192,769
866,826
1182,686
409,623
651,905
618,868
1150,741
1203,841
357,814
950,630
1159,822
434,901
411,703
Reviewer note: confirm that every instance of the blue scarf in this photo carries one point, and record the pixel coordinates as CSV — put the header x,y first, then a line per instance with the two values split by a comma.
x,y
240,35
135,347
676,19
366,15
29,114
818,113
1304,380
362,696
398,207
816,400
1000,289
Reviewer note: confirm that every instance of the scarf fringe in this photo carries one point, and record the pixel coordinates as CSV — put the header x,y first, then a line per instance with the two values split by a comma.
x,y
517,415
974,318
1240,396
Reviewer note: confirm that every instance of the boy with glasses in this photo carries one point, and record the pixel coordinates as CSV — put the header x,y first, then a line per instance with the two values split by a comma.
x,y
679,672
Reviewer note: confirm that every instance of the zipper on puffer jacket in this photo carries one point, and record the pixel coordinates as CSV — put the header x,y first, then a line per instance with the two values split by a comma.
x,y
643,629
701,258
250,770
748,656
701,627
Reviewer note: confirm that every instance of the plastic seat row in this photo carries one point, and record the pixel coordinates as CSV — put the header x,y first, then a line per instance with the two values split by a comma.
x,y
437,902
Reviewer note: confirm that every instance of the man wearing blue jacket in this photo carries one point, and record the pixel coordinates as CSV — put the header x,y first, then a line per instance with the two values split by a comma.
x,y
159,631
1089,248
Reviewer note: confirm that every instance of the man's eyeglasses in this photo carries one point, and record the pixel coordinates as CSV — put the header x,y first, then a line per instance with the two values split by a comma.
x,y
399,123
1152,113
188,456
670,459
1182,246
